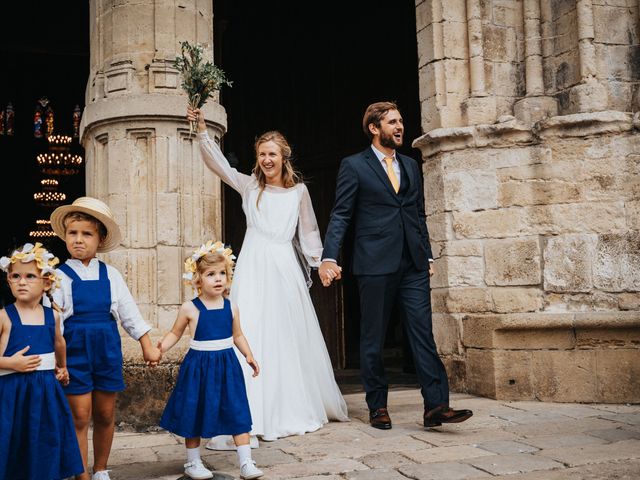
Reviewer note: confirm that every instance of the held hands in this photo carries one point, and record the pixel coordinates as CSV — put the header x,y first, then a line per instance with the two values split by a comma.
x,y
328,272
62,374
152,355
195,115
24,363
254,365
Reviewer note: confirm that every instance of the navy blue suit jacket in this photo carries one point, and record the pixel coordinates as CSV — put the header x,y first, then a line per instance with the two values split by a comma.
x,y
383,220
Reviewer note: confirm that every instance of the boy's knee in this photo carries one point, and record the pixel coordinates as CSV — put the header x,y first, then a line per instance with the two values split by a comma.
x,y
103,417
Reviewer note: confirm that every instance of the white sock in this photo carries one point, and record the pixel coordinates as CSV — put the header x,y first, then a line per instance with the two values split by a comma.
x,y
244,453
193,454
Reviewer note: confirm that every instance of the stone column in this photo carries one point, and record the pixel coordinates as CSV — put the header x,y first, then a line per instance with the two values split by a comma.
x,y
443,61
141,160
589,95
535,106
479,107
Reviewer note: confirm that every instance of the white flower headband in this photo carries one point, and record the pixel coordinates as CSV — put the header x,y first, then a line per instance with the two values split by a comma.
x,y
45,261
191,263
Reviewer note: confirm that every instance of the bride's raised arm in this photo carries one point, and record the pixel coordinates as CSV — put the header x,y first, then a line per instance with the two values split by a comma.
x,y
215,160
308,231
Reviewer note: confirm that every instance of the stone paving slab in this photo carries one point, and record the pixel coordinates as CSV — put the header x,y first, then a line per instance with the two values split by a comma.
x,y
604,471
440,471
561,441
510,440
582,455
515,463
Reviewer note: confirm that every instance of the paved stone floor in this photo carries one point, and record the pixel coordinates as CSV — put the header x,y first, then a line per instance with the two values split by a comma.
x,y
511,440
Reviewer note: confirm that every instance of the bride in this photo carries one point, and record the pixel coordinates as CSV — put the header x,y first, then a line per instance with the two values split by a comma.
x,y
296,391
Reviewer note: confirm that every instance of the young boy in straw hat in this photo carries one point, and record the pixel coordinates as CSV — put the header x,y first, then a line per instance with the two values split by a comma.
x,y
93,296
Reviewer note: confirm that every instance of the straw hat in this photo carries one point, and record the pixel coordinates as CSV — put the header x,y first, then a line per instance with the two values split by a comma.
x,y
95,208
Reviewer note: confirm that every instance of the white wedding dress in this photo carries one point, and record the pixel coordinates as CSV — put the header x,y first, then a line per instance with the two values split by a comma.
x,y
296,391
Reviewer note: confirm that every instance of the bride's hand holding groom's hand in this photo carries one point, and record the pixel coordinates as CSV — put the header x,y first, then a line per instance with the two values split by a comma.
x,y
328,272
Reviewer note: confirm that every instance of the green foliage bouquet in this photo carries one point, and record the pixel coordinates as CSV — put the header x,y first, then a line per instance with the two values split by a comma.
x,y
200,78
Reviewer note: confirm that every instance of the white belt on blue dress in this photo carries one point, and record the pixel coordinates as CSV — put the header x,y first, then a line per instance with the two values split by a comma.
x,y
47,362
212,345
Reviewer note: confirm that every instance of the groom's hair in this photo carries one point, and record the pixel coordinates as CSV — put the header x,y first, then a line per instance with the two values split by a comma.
x,y
374,114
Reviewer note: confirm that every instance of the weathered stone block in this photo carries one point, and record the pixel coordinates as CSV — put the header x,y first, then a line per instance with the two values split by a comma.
x,y
479,110
168,273
507,13
467,300
506,222
516,300
463,248
537,192
530,110
587,97
617,265
146,395
497,365
512,262
471,190
617,373
446,332
461,271
564,376
568,263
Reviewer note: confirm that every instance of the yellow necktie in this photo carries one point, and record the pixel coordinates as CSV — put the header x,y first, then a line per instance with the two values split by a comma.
x,y
392,174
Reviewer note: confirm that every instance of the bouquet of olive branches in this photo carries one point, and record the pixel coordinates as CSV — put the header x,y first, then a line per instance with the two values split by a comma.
x,y
200,78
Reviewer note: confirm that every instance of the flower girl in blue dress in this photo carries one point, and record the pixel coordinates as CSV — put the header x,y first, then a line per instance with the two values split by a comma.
x,y
210,397
37,436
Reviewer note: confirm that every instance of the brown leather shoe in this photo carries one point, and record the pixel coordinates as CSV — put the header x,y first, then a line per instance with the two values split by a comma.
x,y
379,418
443,414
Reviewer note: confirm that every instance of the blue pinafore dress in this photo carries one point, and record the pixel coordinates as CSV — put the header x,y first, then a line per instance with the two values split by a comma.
x,y
37,437
94,349
210,397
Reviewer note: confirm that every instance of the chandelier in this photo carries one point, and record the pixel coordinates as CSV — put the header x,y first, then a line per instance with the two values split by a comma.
x,y
59,163
43,229
56,165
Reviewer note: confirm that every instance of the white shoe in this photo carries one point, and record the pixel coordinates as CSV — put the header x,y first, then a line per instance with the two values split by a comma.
x,y
101,475
225,442
197,470
248,470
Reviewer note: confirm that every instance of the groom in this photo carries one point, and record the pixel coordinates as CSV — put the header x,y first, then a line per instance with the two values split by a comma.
x,y
380,192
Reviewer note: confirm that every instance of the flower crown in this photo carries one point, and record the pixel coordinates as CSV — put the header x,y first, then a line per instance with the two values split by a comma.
x,y
191,263
45,261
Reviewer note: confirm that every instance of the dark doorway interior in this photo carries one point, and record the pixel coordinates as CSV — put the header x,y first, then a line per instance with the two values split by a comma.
x,y
310,70
48,55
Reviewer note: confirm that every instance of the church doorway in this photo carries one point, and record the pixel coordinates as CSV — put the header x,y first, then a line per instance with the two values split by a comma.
x,y
309,71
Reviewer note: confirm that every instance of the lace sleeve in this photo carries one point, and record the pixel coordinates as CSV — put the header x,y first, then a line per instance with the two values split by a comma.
x,y
215,160
308,231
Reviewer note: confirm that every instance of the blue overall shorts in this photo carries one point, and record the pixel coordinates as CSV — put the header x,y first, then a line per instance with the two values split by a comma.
x,y
94,349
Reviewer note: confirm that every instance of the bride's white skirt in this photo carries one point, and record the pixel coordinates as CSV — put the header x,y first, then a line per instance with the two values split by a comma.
x,y
296,391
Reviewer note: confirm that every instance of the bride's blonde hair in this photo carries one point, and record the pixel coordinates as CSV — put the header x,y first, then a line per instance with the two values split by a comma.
x,y
290,177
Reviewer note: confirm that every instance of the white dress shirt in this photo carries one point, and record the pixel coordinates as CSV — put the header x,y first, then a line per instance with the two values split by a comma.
x,y
394,164
123,307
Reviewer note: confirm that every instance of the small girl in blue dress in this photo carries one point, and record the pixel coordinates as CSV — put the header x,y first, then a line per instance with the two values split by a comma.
x,y
210,397
37,436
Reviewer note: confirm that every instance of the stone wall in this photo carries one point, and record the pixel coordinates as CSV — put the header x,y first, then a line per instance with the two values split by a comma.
x,y
532,186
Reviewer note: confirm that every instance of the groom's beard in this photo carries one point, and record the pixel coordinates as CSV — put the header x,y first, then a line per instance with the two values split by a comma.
x,y
389,141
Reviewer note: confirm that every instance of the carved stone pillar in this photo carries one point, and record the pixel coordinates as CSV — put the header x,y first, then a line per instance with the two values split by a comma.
x,y
535,106
140,158
479,107
589,95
